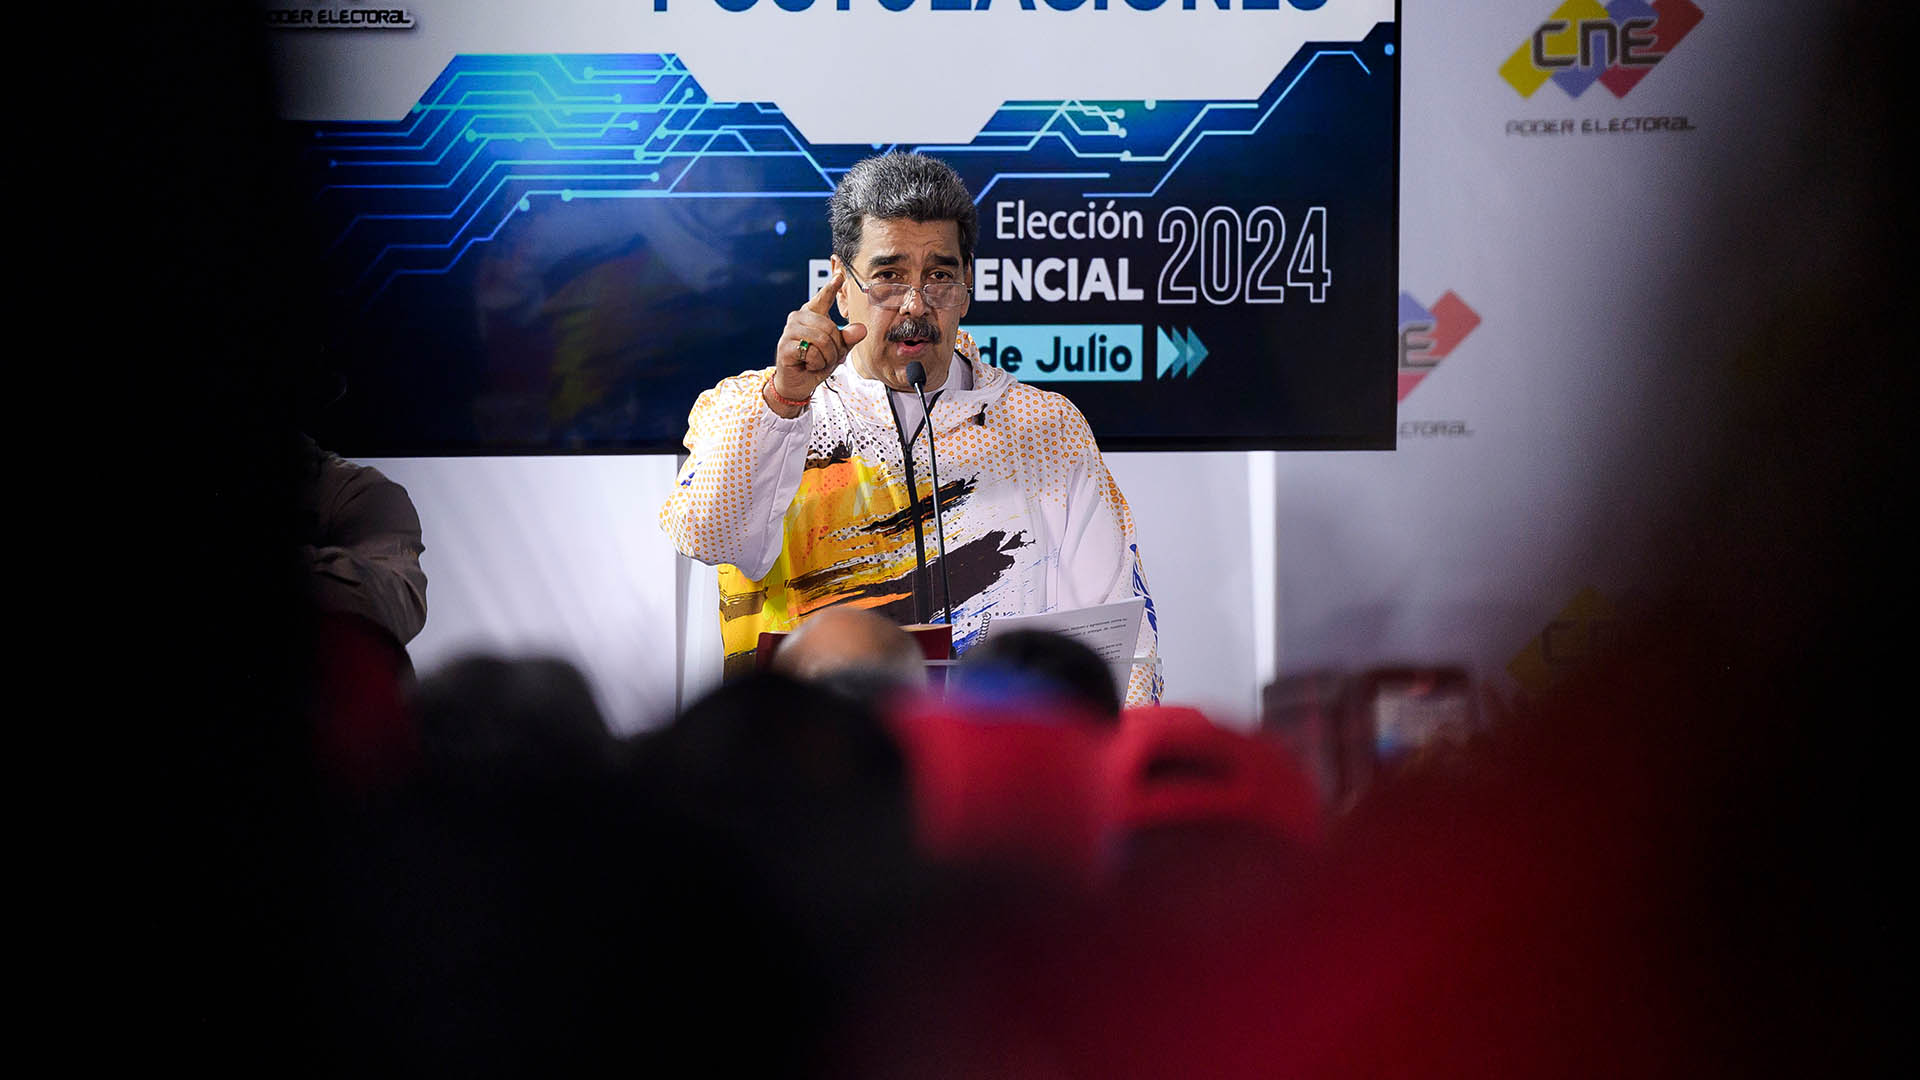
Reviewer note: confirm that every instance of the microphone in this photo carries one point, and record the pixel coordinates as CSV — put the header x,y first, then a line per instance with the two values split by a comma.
x,y
917,377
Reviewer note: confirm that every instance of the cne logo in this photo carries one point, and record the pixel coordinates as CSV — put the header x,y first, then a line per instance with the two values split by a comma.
x,y
1428,334
1585,42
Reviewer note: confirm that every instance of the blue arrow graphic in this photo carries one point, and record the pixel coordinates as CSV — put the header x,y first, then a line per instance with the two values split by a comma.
x,y
1172,352
1196,352
1180,351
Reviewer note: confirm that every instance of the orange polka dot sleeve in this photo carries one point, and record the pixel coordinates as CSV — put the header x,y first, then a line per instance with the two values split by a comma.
x,y
743,468
1100,557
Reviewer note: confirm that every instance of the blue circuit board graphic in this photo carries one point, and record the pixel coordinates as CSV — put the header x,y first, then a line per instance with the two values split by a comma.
x,y
494,134
555,253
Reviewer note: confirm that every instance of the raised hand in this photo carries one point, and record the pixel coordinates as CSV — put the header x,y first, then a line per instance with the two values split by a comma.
x,y
810,348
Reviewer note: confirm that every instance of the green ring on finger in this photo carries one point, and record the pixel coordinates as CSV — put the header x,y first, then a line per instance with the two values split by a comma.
x,y
804,346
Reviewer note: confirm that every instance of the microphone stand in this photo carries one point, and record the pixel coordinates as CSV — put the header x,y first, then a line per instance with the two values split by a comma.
x,y
917,377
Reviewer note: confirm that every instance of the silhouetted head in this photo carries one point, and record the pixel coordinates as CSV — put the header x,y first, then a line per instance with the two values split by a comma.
x,y
854,652
486,720
807,793
1042,665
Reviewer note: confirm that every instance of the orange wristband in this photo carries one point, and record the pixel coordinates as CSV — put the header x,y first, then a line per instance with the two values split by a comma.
x,y
788,402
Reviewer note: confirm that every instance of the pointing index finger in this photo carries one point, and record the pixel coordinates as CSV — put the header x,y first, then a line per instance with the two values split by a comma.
x,y
822,301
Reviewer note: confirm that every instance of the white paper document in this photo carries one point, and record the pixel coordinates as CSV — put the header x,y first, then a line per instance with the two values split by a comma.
x,y
1110,630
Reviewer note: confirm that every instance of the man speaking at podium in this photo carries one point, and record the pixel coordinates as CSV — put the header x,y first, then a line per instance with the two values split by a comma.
x,y
810,481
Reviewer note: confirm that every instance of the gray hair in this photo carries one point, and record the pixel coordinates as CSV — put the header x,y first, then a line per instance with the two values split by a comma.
x,y
900,185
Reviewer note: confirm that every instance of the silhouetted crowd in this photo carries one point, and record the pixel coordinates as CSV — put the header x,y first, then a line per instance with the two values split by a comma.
x,y
834,868
821,866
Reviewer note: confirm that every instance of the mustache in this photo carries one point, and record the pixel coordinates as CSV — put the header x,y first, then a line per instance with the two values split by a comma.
x,y
913,328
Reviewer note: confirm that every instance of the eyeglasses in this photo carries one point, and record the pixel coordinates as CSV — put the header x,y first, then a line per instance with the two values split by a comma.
x,y
890,295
